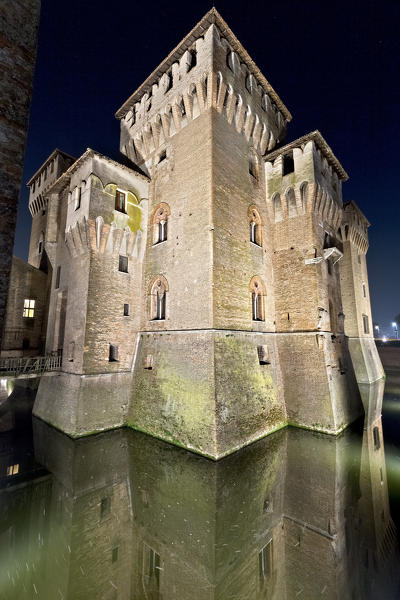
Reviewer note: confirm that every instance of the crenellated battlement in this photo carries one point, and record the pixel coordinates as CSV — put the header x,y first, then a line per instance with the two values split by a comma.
x,y
141,139
305,198
101,238
354,227
209,69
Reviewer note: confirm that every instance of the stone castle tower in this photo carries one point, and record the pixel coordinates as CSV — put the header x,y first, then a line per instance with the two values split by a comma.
x,y
216,289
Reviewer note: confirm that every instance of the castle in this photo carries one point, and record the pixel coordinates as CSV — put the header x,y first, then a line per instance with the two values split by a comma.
x,y
209,288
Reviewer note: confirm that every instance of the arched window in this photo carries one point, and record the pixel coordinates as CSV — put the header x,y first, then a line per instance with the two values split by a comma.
x,y
255,224
158,298
277,205
160,223
291,203
257,290
303,196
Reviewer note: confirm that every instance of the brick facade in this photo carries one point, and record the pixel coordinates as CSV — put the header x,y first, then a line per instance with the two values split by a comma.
x,y
217,274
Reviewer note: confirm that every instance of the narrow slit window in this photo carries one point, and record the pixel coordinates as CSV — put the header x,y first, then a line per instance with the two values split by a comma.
x,y
105,507
262,352
114,555
123,264
364,290
58,277
365,323
377,441
126,310
113,353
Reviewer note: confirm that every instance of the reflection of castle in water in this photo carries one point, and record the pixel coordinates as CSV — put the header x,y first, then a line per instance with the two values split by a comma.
x,y
124,516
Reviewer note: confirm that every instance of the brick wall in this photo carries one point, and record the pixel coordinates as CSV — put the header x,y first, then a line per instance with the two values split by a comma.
x,y
19,22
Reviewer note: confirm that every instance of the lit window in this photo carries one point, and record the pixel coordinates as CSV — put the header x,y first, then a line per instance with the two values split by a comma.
x,y
12,470
29,308
120,201
123,264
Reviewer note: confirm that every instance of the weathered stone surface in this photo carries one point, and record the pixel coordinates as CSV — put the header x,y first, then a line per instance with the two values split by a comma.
x,y
211,277
18,36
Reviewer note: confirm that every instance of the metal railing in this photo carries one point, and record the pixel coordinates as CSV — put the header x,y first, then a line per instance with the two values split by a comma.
x,y
29,365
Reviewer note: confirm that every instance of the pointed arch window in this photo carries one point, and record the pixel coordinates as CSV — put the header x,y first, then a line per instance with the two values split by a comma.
x,y
291,203
160,223
255,224
158,298
277,206
303,196
257,290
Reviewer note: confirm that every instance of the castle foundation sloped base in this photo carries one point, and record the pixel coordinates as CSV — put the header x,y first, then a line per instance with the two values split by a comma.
x,y
80,405
321,390
212,392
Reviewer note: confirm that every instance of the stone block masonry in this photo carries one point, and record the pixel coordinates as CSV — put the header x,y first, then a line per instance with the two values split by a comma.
x,y
19,21
215,290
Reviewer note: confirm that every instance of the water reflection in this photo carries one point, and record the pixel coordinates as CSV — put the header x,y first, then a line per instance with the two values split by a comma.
x,y
123,516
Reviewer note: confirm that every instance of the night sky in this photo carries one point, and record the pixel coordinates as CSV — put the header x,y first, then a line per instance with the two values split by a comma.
x,y
334,64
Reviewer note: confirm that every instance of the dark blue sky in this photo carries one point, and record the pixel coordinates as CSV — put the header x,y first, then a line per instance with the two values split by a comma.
x,y
334,64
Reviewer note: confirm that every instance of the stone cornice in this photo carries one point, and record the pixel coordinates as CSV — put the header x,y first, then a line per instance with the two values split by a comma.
x,y
64,179
212,17
46,162
320,142
351,204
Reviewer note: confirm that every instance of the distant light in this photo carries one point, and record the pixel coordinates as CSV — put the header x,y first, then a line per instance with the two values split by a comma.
x,y
384,339
394,324
377,327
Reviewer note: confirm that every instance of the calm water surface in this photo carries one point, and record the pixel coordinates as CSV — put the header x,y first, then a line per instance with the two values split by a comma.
x,y
121,516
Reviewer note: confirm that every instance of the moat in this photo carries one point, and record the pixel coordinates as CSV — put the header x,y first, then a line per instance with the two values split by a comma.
x,y
121,515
